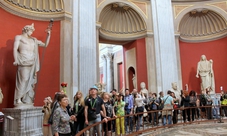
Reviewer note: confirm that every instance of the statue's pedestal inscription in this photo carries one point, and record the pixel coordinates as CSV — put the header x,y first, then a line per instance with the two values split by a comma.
x,y
26,122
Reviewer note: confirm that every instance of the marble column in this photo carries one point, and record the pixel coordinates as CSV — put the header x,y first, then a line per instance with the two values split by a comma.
x,y
85,55
109,69
66,50
151,69
164,44
104,69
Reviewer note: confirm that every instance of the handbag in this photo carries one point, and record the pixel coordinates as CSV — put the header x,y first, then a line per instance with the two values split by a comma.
x,y
161,105
175,106
92,115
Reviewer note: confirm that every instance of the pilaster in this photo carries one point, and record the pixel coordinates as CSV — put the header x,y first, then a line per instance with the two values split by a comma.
x,y
109,66
164,44
85,45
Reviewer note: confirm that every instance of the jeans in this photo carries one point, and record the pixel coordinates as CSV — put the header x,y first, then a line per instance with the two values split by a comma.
x,y
169,120
98,127
128,120
139,120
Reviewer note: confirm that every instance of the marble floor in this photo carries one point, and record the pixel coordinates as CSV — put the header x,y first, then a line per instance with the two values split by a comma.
x,y
205,129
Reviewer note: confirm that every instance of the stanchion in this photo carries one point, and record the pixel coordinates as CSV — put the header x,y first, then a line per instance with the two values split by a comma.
x,y
220,120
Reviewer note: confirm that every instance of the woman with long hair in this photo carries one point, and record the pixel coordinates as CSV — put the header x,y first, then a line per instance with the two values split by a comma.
x,y
78,111
109,114
120,122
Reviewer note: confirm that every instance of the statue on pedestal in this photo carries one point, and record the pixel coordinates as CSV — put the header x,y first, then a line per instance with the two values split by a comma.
x,y
1,96
26,58
206,73
176,91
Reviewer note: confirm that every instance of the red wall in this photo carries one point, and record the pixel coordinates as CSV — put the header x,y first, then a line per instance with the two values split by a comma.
x,y
141,61
190,54
49,74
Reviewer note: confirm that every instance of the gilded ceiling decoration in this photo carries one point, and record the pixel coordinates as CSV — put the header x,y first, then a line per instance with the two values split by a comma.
x,y
120,21
202,25
39,5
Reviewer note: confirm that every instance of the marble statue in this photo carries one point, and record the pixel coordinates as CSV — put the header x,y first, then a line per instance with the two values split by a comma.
x,y
134,81
1,96
205,71
143,88
26,58
47,131
101,87
176,91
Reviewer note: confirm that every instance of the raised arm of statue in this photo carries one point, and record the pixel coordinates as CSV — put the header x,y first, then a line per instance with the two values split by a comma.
x,y
40,43
15,49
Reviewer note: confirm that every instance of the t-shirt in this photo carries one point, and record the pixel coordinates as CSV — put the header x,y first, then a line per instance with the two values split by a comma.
x,y
94,103
167,100
108,106
120,111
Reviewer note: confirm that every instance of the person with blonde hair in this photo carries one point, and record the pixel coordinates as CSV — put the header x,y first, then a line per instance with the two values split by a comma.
x,y
78,111
109,114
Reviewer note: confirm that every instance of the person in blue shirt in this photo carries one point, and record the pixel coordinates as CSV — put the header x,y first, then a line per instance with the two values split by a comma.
x,y
168,106
128,110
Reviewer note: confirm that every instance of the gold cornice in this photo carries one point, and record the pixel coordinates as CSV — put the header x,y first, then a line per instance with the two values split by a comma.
x,y
180,8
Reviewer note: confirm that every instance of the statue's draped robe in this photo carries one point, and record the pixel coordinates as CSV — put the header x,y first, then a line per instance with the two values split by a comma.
x,y
206,74
30,62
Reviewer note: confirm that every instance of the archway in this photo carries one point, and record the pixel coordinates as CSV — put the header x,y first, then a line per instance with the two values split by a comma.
x,y
132,78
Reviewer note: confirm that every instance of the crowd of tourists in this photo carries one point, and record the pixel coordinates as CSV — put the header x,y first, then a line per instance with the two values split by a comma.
x,y
66,120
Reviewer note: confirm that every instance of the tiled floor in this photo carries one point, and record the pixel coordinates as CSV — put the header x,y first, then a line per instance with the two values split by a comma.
x,y
205,129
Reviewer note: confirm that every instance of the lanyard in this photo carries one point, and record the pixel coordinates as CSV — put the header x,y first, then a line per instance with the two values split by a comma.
x,y
77,103
92,106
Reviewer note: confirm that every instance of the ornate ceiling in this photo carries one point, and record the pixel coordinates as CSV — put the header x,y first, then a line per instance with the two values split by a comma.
x,y
120,22
202,25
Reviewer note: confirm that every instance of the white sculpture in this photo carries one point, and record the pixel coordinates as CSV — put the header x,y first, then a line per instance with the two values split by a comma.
x,y
143,89
205,71
176,91
1,96
26,57
101,87
134,81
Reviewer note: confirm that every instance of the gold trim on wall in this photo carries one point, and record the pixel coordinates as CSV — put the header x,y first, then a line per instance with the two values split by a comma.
x,y
180,8
219,5
99,3
139,2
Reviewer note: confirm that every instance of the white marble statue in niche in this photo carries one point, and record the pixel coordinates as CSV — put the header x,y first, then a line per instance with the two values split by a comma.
x,y
1,96
206,73
26,58
134,81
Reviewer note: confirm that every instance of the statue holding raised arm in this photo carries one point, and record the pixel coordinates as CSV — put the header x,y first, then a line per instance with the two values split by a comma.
x,y
26,58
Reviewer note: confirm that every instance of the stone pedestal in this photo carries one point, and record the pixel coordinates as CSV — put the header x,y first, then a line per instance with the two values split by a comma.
x,y
26,122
